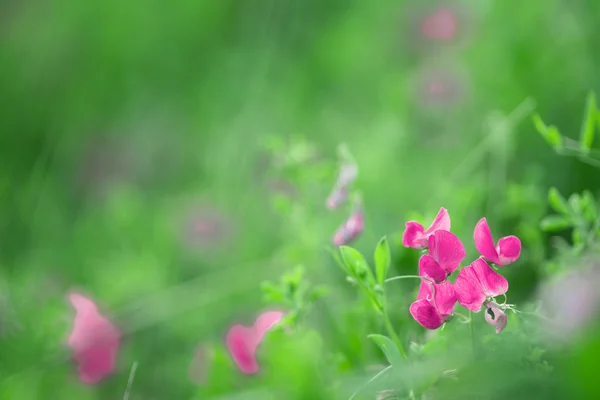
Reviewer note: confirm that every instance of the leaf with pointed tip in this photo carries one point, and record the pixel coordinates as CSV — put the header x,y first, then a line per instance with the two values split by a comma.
x,y
382,260
389,349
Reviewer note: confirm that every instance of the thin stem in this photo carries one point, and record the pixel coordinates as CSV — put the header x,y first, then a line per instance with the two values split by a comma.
x,y
373,379
392,333
395,278
130,380
471,329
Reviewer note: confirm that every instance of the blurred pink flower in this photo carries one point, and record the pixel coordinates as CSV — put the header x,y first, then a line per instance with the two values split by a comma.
x,y
441,24
507,251
350,229
446,252
94,340
416,237
495,316
477,282
206,228
434,304
340,192
243,341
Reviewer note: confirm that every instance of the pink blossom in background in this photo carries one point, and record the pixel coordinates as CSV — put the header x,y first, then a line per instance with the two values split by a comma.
x,y
94,340
207,228
477,282
416,237
440,87
351,229
446,252
242,342
340,192
495,316
507,251
441,24
434,304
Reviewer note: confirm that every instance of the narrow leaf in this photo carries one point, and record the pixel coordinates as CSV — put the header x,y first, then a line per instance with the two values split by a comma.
x,y
555,223
587,129
550,133
382,260
557,201
389,349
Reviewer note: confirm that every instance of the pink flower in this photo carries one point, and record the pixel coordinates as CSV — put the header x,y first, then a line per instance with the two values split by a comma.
x,y
477,282
440,25
347,175
350,229
495,316
446,252
507,251
434,304
94,340
416,237
242,341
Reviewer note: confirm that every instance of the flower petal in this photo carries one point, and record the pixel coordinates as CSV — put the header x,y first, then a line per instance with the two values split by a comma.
x,y
266,321
413,236
447,249
430,268
425,291
495,317
445,298
241,342
337,197
426,314
350,230
484,242
468,289
509,250
441,222
492,283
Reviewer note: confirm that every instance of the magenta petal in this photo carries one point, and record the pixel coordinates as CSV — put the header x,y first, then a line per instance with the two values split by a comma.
x,y
428,267
413,236
266,321
495,317
509,250
468,289
447,249
241,343
336,198
426,314
492,283
425,291
350,229
484,242
445,298
441,222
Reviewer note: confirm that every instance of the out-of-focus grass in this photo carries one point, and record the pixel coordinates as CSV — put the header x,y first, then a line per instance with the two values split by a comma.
x,y
184,94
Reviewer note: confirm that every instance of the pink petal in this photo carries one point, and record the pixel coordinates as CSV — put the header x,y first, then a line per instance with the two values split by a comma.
x,y
441,222
266,321
426,314
430,268
447,250
94,340
509,250
468,289
445,298
425,291
413,236
484,242
350,230
440,25
241,343
492,283
495,317
348,174
336,198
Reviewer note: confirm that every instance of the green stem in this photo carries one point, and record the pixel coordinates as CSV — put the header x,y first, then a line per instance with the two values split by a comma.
x,y
472,331
392,333
395,278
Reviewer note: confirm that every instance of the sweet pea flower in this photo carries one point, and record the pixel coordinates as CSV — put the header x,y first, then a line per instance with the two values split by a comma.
x,y
495,316
434,304
446,252
350,229
339,194
440,25
477,282
94,340
416,237
243,341
507,251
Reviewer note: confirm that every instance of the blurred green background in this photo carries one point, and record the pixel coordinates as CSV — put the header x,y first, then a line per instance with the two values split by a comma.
x,y
133,164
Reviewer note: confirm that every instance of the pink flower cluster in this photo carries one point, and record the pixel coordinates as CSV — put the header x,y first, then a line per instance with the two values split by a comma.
x,y
476,284
95,341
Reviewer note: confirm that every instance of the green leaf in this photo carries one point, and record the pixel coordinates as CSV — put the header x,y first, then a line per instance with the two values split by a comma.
x,y
550,133
382,260
557,201
575,203
587,129
554,223
588,206
389,349
356,264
